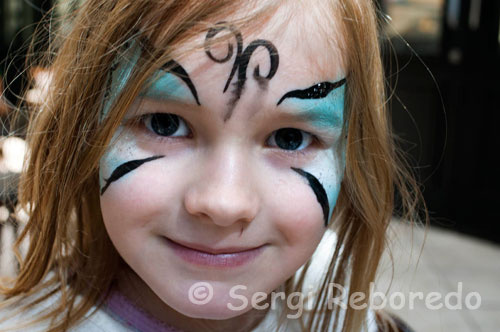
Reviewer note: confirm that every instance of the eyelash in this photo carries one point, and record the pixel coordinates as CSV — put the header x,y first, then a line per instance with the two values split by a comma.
x,y
143,122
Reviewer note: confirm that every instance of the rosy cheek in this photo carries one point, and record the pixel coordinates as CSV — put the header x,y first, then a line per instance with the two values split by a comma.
x,y
124,203
295,209
149,194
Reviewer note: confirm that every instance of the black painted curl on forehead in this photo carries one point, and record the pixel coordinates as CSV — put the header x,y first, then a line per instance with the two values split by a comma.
x,y
241,61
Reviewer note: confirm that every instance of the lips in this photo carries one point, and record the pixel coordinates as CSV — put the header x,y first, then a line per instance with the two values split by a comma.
x,y
219,257
205,249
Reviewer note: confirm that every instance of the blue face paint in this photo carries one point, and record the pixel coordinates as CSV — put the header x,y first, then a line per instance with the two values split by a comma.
x,y
115,155
167,86
108,163
173,84
120,73
324,113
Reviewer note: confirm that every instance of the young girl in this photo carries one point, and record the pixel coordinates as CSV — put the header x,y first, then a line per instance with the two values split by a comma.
x,y
189,159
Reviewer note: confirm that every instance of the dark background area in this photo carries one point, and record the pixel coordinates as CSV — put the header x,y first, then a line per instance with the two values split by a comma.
x,y
445,107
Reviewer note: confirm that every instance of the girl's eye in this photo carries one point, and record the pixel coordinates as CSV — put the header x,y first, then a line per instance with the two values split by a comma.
x,y
290,139
166,124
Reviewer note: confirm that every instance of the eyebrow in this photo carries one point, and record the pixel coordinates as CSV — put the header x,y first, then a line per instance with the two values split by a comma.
x,y
176,69
317,91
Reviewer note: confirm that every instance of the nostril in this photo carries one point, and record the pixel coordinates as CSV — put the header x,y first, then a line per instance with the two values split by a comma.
x,y
202,216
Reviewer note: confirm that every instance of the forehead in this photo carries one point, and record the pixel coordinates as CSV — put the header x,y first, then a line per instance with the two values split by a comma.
x,y
243,67
306,36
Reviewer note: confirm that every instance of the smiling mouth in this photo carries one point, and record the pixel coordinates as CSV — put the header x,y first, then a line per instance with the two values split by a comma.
x,y
223,257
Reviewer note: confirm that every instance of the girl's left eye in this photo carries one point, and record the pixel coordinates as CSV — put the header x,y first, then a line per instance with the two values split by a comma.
x,y
290,139
166,124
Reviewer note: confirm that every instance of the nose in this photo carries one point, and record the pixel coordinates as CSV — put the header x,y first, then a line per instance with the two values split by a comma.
x,y
223,191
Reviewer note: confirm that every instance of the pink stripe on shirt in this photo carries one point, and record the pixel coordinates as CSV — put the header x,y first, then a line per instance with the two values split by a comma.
x,y
130,314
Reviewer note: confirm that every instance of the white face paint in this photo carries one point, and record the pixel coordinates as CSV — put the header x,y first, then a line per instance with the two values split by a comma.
x,y
329,176
221,185
123,148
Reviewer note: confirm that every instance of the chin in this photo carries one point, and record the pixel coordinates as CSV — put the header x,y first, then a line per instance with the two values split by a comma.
x,y
216,310
225,301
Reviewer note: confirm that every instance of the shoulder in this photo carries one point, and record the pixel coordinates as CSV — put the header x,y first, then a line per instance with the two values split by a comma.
x,y
100,320
13,318
270,323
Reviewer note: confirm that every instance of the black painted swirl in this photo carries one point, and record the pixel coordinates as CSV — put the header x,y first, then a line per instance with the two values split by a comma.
x,y
242,58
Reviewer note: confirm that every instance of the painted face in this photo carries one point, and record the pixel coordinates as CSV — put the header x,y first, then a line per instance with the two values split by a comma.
x,y
226,169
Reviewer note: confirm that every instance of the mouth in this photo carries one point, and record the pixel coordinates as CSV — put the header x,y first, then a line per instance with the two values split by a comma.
x,y
215,257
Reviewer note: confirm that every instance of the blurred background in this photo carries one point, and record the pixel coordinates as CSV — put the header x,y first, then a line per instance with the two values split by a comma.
x,y
442,60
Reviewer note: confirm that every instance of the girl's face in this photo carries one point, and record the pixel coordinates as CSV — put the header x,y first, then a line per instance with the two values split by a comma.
x,y
227,167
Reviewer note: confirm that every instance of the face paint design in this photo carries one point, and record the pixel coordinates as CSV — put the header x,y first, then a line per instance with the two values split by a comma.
x,y
125,168
322,104
168,85
120,159
170,82
319,191
318,91
241,61
324,174
124,146
119,74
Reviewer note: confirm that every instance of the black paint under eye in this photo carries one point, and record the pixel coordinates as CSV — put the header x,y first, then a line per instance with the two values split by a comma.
x,y
318,190
317,91
164,124
125,168
288,138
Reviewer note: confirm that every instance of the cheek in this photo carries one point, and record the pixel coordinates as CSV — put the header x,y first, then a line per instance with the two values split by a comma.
x,y
294,204
143,197
139,207
295,210
146,195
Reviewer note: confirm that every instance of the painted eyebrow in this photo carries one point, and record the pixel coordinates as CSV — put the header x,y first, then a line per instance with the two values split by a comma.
x,y
317,91
175,68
